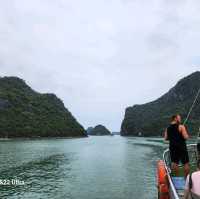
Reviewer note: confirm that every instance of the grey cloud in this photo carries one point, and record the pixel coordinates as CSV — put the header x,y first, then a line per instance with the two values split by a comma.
x,y
100,56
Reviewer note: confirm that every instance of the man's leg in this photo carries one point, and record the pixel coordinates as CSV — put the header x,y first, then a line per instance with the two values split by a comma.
x,y
186,169
185,162
175,168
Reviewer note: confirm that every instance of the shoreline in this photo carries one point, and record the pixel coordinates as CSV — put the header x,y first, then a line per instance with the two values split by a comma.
x,y
40,138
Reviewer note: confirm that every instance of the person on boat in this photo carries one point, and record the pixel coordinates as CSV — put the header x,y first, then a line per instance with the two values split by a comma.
x,y
192,186
177,135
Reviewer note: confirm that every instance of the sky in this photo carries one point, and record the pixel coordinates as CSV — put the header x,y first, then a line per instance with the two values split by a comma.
x,y
100,56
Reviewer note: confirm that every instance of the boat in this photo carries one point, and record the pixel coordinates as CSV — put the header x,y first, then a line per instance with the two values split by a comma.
x,y
171,186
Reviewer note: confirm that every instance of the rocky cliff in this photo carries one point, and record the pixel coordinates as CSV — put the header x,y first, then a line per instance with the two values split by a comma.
x,y
151,119
27,113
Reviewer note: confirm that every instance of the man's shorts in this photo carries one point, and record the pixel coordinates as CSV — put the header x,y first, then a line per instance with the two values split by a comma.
x,y
179,155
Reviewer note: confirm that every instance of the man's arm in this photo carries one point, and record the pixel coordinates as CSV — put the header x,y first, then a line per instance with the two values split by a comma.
x,y
186,194
183,131
186,191
165,135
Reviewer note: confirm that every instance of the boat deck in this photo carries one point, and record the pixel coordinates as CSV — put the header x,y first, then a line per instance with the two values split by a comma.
x,y
179,181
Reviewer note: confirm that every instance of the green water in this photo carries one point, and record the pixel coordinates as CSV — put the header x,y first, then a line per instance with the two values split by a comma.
x,y
89,168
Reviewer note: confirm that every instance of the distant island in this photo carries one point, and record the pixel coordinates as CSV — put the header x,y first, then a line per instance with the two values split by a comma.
x,y
98,130
152,118
89,130
115,133
27,113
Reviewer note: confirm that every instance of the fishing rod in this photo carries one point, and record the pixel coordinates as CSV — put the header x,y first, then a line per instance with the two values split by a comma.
x,y
188,115
191,108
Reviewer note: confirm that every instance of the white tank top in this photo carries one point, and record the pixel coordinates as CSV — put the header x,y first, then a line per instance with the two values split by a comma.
x,y
195,183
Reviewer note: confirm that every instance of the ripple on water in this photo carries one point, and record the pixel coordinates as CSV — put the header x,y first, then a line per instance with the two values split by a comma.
x,y
93,168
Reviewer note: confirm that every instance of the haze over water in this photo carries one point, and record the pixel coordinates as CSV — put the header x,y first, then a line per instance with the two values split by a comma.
x,y
90,168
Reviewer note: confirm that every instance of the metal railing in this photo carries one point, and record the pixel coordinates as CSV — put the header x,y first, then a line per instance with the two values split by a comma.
x,y
193,155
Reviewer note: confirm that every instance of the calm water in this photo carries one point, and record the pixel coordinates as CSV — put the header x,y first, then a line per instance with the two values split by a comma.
x,y
89,168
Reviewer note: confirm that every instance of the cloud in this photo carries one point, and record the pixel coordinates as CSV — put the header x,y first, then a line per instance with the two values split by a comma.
x,y
100,56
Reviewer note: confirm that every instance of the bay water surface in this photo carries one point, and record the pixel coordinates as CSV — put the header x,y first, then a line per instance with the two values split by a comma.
x,y
108,167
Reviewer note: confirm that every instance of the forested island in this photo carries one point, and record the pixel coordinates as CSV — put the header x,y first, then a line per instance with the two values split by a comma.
x,y
98,130
152,118
27,113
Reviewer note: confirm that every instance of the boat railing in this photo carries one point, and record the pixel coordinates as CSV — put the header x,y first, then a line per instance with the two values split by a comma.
x,y
193,155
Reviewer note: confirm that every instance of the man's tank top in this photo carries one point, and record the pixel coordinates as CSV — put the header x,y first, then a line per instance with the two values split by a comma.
x,y
175,138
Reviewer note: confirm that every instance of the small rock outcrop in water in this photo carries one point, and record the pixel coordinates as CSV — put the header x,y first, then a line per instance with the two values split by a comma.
x,y
26,113
152,118
100,130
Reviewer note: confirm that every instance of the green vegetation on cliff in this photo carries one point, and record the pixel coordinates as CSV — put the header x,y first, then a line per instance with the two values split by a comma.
x,y
26,113
99,130
151,119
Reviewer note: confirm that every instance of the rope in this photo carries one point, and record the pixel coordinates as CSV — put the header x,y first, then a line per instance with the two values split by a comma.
x,y
191,108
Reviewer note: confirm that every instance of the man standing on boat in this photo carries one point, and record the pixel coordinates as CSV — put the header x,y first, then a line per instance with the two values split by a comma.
x,y
177,135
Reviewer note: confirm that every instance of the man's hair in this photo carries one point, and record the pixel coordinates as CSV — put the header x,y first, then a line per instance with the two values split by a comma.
x,y
173,117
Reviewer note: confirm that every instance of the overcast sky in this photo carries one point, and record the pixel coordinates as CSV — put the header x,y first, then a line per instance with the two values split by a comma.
x,y
100,56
